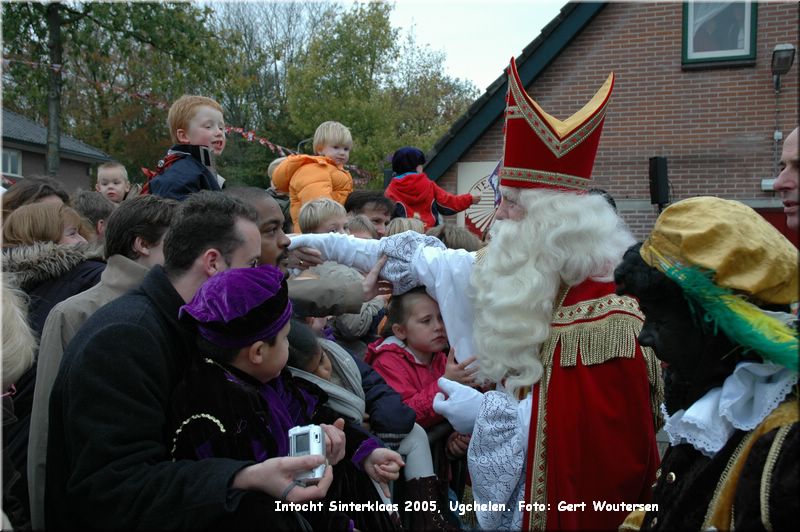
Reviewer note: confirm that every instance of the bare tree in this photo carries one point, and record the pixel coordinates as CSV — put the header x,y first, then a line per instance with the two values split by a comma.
x,y
271,36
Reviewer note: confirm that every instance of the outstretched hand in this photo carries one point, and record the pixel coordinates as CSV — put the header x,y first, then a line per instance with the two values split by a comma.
x,y
461,405
458,371
303,258
372,286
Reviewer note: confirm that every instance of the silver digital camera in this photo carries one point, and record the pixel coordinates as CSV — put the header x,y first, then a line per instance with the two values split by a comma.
x,y
306,440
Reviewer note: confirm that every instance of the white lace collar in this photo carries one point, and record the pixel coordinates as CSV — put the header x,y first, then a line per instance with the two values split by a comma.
x,y
746,397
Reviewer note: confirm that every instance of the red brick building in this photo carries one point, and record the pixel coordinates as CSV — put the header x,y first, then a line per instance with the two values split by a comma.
x,y
714,120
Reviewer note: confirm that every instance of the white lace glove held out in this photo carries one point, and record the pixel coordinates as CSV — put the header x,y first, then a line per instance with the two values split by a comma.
x,y
461,406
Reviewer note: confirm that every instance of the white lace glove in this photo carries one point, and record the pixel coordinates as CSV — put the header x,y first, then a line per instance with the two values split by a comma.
x,y
461,406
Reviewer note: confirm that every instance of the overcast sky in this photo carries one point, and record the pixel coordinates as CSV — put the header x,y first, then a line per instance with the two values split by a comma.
x,y
478,36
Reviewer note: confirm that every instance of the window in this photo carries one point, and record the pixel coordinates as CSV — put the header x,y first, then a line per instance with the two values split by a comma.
x,y
719,32
12,162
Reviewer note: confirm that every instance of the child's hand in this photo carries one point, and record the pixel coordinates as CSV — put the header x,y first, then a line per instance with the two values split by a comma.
x,y
383,465
458,371
475,198
276,477
457,445
334,441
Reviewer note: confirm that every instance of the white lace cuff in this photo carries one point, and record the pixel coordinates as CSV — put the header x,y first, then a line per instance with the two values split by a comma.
x,y
497,461
362,254
402,249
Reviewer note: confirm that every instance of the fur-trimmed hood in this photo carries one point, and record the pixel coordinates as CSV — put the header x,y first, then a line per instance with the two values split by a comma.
x,y
28,266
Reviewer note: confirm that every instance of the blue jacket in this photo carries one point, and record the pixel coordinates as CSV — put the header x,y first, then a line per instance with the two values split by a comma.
x,y
389,418
183,177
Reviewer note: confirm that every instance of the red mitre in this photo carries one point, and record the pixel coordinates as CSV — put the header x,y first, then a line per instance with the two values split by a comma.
x,y
540,150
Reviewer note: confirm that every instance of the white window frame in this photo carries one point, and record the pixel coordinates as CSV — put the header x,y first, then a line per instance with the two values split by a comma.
x,y
8,171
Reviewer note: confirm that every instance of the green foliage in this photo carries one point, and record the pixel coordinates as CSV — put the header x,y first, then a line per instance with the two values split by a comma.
x,y
112,50
277,68
388,93
245,163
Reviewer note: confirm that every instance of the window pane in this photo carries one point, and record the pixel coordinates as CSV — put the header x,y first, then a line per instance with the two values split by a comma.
x,y
12,162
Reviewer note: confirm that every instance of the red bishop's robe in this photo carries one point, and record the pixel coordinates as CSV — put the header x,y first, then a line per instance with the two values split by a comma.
x,y
594,414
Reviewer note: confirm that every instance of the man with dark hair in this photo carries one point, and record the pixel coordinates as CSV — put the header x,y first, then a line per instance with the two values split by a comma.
x,y
138,229
96,208
134,243
314,297
108,462
221,224
372,204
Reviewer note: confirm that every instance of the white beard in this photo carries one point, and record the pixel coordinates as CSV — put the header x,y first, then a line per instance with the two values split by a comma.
x,y
563,237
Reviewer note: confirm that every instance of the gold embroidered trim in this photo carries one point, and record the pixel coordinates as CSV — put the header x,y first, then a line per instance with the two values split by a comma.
x,y
609,328
723,479
537,520
185,422
766,476
656,385
559,147
547,178
597,341
596,308
719,510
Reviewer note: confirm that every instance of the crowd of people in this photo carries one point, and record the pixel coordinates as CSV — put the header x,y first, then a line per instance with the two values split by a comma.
x,y
160,342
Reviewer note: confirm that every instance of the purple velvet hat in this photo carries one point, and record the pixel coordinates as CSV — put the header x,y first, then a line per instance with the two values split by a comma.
x,y
238,307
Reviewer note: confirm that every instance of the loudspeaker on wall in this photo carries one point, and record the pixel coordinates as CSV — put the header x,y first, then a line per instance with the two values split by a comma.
x,y
659,182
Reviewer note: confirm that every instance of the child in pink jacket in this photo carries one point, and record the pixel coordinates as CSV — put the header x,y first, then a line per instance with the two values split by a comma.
x,y
411,358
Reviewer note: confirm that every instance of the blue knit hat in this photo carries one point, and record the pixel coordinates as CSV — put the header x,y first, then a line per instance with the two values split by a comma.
x,y
407,159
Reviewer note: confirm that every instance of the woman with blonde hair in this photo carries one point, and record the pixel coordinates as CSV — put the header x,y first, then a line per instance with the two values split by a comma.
x,y
43,222
45,256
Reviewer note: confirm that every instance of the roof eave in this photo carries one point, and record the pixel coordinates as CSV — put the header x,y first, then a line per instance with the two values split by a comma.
x,y
72,155
535,57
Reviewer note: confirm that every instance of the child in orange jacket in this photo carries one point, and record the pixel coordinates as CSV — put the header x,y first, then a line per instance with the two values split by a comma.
x,y
308,177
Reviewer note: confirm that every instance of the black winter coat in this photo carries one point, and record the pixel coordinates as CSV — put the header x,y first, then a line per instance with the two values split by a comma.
x,y
108,462
48,273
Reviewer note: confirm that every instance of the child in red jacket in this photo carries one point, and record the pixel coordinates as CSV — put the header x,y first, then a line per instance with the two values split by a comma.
x,y
414,193
411,356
